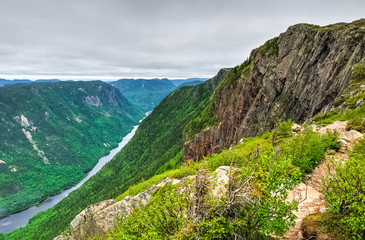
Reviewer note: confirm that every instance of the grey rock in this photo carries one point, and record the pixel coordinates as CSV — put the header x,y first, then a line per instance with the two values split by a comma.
x,y
99,218
311,70
296,128
93,101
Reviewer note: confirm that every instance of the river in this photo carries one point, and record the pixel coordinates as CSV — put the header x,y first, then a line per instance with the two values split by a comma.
x,y
21,219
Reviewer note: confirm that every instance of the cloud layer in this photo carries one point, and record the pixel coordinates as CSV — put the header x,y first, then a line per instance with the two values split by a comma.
x,y
106,39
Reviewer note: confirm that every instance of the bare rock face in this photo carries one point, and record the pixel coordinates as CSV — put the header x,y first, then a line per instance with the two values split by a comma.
x,y
307,68
93,101
222,180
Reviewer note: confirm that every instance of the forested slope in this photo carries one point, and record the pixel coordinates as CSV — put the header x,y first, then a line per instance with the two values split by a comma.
x,y
157,141
53,133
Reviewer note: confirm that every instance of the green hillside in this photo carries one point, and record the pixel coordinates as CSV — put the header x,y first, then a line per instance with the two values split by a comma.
x,y
52,134
156,146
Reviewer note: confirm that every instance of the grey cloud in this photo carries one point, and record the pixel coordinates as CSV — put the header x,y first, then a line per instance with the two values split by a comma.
x,y
160,38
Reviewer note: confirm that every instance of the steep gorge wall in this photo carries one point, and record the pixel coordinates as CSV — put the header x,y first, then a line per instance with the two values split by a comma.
x,y
294,76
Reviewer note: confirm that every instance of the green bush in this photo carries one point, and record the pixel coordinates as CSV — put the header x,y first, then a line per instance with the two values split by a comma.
x,y
344,193
330,141
161,218
313,225
308,149
216,228
260,209
284,129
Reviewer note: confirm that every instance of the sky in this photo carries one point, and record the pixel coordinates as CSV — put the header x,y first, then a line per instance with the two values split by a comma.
x,y
112,39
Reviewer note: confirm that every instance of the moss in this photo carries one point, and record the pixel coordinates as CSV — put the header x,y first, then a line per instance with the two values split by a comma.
x,y
356,118
355,100
270,48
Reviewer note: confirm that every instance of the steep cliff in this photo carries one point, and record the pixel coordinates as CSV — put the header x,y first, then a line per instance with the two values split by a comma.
x,y
294,76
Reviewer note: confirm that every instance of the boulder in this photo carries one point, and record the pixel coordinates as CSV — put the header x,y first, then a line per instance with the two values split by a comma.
x,y
296,128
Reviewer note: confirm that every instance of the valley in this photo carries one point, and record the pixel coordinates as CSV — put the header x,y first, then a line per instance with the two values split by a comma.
x,y
21,219
229,158
53,134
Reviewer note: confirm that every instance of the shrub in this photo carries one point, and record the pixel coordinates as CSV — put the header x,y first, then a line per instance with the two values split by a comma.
x,y
284,129
255,206
345,194
308,149
159,219
330,141
314,227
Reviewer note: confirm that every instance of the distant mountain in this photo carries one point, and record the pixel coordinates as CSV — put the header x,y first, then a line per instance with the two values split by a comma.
x,y
178,82
47,80
4,82
52,133
144,93
147,93
193,83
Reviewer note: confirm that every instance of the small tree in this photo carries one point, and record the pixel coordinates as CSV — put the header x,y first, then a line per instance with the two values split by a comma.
x,y
344,191
255,205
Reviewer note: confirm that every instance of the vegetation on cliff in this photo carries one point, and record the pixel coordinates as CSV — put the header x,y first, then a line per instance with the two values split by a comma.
x,y
350,106
254,206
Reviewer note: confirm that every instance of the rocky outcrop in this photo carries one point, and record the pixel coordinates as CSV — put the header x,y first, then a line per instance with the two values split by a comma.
x,y
100,217
93,101
294,76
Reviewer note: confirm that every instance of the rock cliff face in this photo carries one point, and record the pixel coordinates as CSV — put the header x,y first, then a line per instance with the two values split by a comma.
x,y
294,76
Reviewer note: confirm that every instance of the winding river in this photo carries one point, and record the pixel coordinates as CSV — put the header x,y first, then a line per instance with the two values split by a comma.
x,y
21,219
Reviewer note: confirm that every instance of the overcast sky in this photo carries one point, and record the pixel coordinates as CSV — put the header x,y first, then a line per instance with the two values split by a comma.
x,y
109,39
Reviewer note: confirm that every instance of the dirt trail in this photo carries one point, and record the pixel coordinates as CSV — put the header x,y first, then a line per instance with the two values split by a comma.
x,y
308,194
